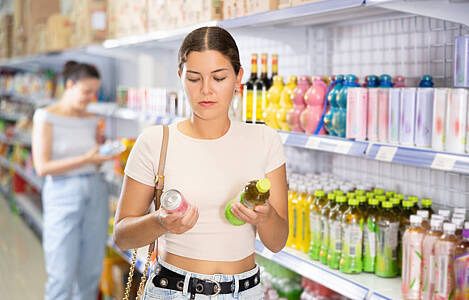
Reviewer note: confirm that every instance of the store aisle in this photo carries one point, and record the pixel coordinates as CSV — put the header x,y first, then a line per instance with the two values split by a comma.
x,y
22,270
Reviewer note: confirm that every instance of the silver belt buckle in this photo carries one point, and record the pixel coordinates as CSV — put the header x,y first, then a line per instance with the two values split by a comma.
x,y
216,288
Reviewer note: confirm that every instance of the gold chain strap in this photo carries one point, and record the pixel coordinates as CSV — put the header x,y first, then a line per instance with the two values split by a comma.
x,y
143,279
131,275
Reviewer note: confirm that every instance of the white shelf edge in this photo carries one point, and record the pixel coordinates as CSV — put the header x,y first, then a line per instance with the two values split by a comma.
x,y
355,286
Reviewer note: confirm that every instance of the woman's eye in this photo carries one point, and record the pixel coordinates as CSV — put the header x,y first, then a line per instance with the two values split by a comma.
x,y
193,79
219,79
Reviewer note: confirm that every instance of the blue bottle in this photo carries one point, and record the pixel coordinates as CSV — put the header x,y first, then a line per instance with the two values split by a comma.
x,y
427,81
334,107
371,81
385,81
339,119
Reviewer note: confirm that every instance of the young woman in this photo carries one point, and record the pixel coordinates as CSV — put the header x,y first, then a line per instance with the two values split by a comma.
x,y
210,158
74,197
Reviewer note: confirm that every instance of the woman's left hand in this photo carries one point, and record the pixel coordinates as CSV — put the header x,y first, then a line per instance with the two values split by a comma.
x,y
255,217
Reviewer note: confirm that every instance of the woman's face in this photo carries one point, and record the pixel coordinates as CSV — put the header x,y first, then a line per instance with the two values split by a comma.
x,y
82,92
209,81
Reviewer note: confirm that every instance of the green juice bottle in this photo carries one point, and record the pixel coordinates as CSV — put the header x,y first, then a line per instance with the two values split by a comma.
x,y
352,222
390,194
387,246
315,222
335,232
378,192
415,205
325,211
369,237
396,205
427,205
362,204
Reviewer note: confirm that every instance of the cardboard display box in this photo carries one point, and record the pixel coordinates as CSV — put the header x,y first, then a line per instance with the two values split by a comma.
x,y
59,30
89,24
6,35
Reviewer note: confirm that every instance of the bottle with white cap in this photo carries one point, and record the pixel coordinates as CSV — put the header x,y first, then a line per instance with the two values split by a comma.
x,y
412,259
445,281
424,214
432,236
460,211
459,222
462,266
445,213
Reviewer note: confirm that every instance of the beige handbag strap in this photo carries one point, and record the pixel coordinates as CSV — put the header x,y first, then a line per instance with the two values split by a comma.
x,y
159,185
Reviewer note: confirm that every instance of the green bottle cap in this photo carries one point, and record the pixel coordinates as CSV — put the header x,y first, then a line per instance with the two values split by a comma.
x,y
426,202
331,197
353,202
370,195
350,195
360,193
263,185
361,199
400,196
395,201
373,201
378,191
389,194
407,204
381,198
339,192
387,204
341,199
414,199
319,193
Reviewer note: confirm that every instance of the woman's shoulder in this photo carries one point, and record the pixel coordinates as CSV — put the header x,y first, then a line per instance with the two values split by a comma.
x,y
151,135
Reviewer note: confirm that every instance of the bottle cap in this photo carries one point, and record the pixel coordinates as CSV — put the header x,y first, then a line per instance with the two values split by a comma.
x,y
387,204
458,222
319,193
339,192
373,201
370,195
465,233
466,225
449,227
444,213
437,217
395,201
263,185
360,192
414,199
407,203
311,189
400,196
423,213
426,202
460,210
378,191
436,223
361,199
302,188
415,219
331,197
350,195
353,202
381,198
389,194
341,199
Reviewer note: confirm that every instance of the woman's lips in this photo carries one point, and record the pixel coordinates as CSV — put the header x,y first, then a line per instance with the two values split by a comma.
x,y
207,103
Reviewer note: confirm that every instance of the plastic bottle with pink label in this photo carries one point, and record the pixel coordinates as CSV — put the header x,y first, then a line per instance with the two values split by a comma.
x,y
407,117
298,99
456,119
440,99
314,98
340,118
383,107
394,114
357,106
424,117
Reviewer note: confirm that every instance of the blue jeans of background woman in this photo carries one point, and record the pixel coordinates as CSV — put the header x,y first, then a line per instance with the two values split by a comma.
x,y
75,231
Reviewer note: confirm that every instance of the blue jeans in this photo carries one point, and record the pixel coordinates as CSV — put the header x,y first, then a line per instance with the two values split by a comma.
x,y
152,292
74,238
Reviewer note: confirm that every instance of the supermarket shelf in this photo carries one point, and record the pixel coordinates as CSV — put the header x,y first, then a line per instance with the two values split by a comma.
x,y
112,110
354,286
32,179
324,143
419,157
11,116
19,140
36,102
127,255
31,213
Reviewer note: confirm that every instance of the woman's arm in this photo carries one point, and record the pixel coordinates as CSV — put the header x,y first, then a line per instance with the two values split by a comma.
x,y
271,219
134,227
41,148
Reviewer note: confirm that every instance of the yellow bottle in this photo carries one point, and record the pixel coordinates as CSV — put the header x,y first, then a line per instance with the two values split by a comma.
x,y
273,99
292,194
302,219
286,103
295,220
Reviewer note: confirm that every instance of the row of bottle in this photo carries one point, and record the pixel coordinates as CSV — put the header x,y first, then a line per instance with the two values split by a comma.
x,y
354,232
435,263
423,117
39,85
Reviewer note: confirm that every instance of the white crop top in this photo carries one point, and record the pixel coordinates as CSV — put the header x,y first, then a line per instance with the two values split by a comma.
x,y
209,173
71,137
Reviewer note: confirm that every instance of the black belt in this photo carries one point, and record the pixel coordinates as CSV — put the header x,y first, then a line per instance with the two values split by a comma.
x,y
168,279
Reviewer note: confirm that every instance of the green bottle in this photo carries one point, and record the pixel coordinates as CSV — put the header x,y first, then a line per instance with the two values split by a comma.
x,y
351,256
378,191
387,246
325,211
415,206
427,205
369,237
335,233
315,222
389,194
256,192
396,205
362,204
351,195
360,192
339,192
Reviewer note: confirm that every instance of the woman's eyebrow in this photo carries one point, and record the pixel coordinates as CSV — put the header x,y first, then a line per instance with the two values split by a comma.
x,y
217,70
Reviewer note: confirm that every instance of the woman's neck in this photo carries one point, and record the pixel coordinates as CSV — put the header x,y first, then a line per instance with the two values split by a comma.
x,y
65,109
198,128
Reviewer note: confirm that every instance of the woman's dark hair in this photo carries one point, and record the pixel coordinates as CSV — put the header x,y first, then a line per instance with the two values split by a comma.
x,y
210,38
75,71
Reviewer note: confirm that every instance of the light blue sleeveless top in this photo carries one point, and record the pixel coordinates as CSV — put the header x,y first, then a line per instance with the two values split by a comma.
x,y
72,137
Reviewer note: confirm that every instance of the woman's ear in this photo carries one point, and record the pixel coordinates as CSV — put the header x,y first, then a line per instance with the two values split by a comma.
x,y
239,77
69,84
179,74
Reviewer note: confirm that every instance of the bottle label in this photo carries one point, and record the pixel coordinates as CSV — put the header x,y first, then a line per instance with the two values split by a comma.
x,y
461,265
353,240
412,262
336,236
295,211
387,249
442,284
315,224
324,231
303,231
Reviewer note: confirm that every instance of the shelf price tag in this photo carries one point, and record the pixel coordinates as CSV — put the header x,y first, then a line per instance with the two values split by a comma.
x,y
312,143
443,162
343,147
386,153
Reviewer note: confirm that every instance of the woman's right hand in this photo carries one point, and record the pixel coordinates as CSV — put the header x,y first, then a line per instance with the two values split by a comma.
x,y
93,156
177,223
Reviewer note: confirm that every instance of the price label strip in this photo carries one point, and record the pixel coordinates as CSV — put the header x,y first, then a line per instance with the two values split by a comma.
x,y
386,153
343,147
312,143
443,162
